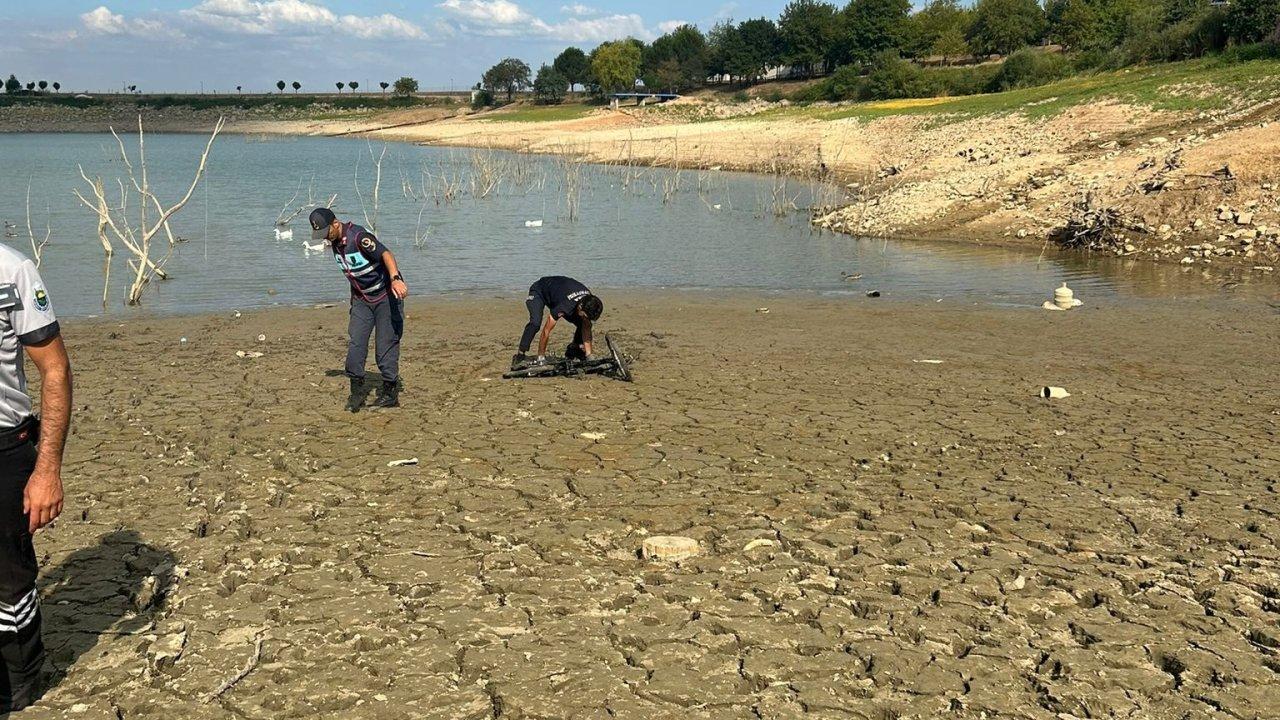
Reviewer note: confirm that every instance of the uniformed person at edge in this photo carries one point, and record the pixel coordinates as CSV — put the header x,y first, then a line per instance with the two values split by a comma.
x,y
30,466
564,299
377,290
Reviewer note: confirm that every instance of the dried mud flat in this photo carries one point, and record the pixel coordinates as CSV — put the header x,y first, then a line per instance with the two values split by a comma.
x,y
940,541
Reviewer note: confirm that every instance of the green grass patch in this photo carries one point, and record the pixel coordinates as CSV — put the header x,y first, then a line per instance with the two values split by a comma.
x,y
1191,86
541,113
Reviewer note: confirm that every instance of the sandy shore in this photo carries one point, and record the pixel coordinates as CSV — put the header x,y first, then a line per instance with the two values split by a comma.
x,y
939,541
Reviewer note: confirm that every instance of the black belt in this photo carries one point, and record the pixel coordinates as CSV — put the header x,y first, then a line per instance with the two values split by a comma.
x,y
28,431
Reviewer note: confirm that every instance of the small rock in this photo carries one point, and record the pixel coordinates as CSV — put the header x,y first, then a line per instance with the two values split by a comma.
x,y
671,548
757,543
1244,218
592,435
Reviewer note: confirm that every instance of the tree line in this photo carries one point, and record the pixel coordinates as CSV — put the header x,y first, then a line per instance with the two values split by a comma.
x,y
811,38
14,86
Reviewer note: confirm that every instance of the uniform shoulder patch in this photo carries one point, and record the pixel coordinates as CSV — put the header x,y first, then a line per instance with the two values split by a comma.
x,y
367,242
42,300
9,297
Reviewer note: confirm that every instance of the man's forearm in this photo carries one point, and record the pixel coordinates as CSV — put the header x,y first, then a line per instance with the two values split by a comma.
x,y
55,417
543,339
389,260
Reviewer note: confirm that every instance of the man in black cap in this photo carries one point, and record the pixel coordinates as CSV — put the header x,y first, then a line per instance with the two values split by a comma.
x,y
565,299
377,290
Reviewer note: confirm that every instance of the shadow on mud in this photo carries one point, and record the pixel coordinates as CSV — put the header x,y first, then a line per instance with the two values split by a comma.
x,y
117,586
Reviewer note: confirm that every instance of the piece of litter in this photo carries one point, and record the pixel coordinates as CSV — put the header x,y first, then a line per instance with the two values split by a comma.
x,y
403,463
237,313
533,223
928,362
873,293
593,436
1056,393
757,543
262,338
763,311
672,548
250,354
183,341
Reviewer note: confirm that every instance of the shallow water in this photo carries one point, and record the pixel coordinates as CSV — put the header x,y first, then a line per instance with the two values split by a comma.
x,y
633,228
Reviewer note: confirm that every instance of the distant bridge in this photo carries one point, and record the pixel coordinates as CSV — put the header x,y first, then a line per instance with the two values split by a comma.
x,y
640,98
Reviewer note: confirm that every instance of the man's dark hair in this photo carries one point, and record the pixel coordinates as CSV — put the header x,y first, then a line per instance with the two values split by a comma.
x,y
592,306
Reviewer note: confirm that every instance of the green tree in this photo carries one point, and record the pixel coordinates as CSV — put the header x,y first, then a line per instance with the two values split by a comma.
x,y
384,85
43,85
573,67
723,34
340,85
616,65
406,86
676,61
57,86
280,85
296,87
870,27
353,85
509,76
549,86
950,44
1002,26
808,30
926,28
1073,23
1253,20
759,48
12,85
891,77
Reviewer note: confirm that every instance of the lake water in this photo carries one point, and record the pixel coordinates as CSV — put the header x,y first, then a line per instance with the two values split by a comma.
x,y
624,228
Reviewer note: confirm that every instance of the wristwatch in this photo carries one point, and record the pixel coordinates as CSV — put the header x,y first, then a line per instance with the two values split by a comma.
x,y
397,277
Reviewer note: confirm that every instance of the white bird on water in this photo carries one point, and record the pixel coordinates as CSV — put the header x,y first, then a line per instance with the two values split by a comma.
x,y
284,234
308,249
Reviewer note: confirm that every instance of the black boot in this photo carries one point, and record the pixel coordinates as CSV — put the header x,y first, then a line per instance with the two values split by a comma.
x,y
518,360
388,396
356,398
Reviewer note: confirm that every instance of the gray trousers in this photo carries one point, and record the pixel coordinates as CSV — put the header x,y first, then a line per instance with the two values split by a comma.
x,y
387,318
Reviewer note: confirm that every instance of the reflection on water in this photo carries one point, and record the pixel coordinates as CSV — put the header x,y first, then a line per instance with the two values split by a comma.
x,y
631,228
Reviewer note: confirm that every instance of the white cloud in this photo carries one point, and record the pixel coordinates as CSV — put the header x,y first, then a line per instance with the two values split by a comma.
x,y
503,18
486,12
101,21
277,17
670,25
579,10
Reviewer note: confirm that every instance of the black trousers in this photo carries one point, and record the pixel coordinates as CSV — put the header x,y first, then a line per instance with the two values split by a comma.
x,y
387,318
20,646
535,305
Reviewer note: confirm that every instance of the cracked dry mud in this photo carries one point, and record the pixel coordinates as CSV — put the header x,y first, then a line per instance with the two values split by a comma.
x,y
943,542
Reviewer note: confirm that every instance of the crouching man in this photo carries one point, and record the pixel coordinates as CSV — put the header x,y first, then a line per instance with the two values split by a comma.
x,y
564,299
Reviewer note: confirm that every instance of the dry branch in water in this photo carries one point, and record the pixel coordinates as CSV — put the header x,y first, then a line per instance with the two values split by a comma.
x,y
152,216
37,246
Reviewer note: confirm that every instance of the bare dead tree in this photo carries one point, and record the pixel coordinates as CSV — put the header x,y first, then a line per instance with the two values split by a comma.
x,y
152,216
372,224
37,246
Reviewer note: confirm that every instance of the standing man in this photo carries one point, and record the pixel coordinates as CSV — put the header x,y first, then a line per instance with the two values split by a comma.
x,y
377,290
566,299
30,466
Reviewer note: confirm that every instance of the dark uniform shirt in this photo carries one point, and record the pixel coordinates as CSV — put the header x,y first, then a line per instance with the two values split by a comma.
x,y
359,255
561,295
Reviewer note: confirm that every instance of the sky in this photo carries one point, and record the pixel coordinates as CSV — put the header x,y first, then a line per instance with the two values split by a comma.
x,y
216,45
